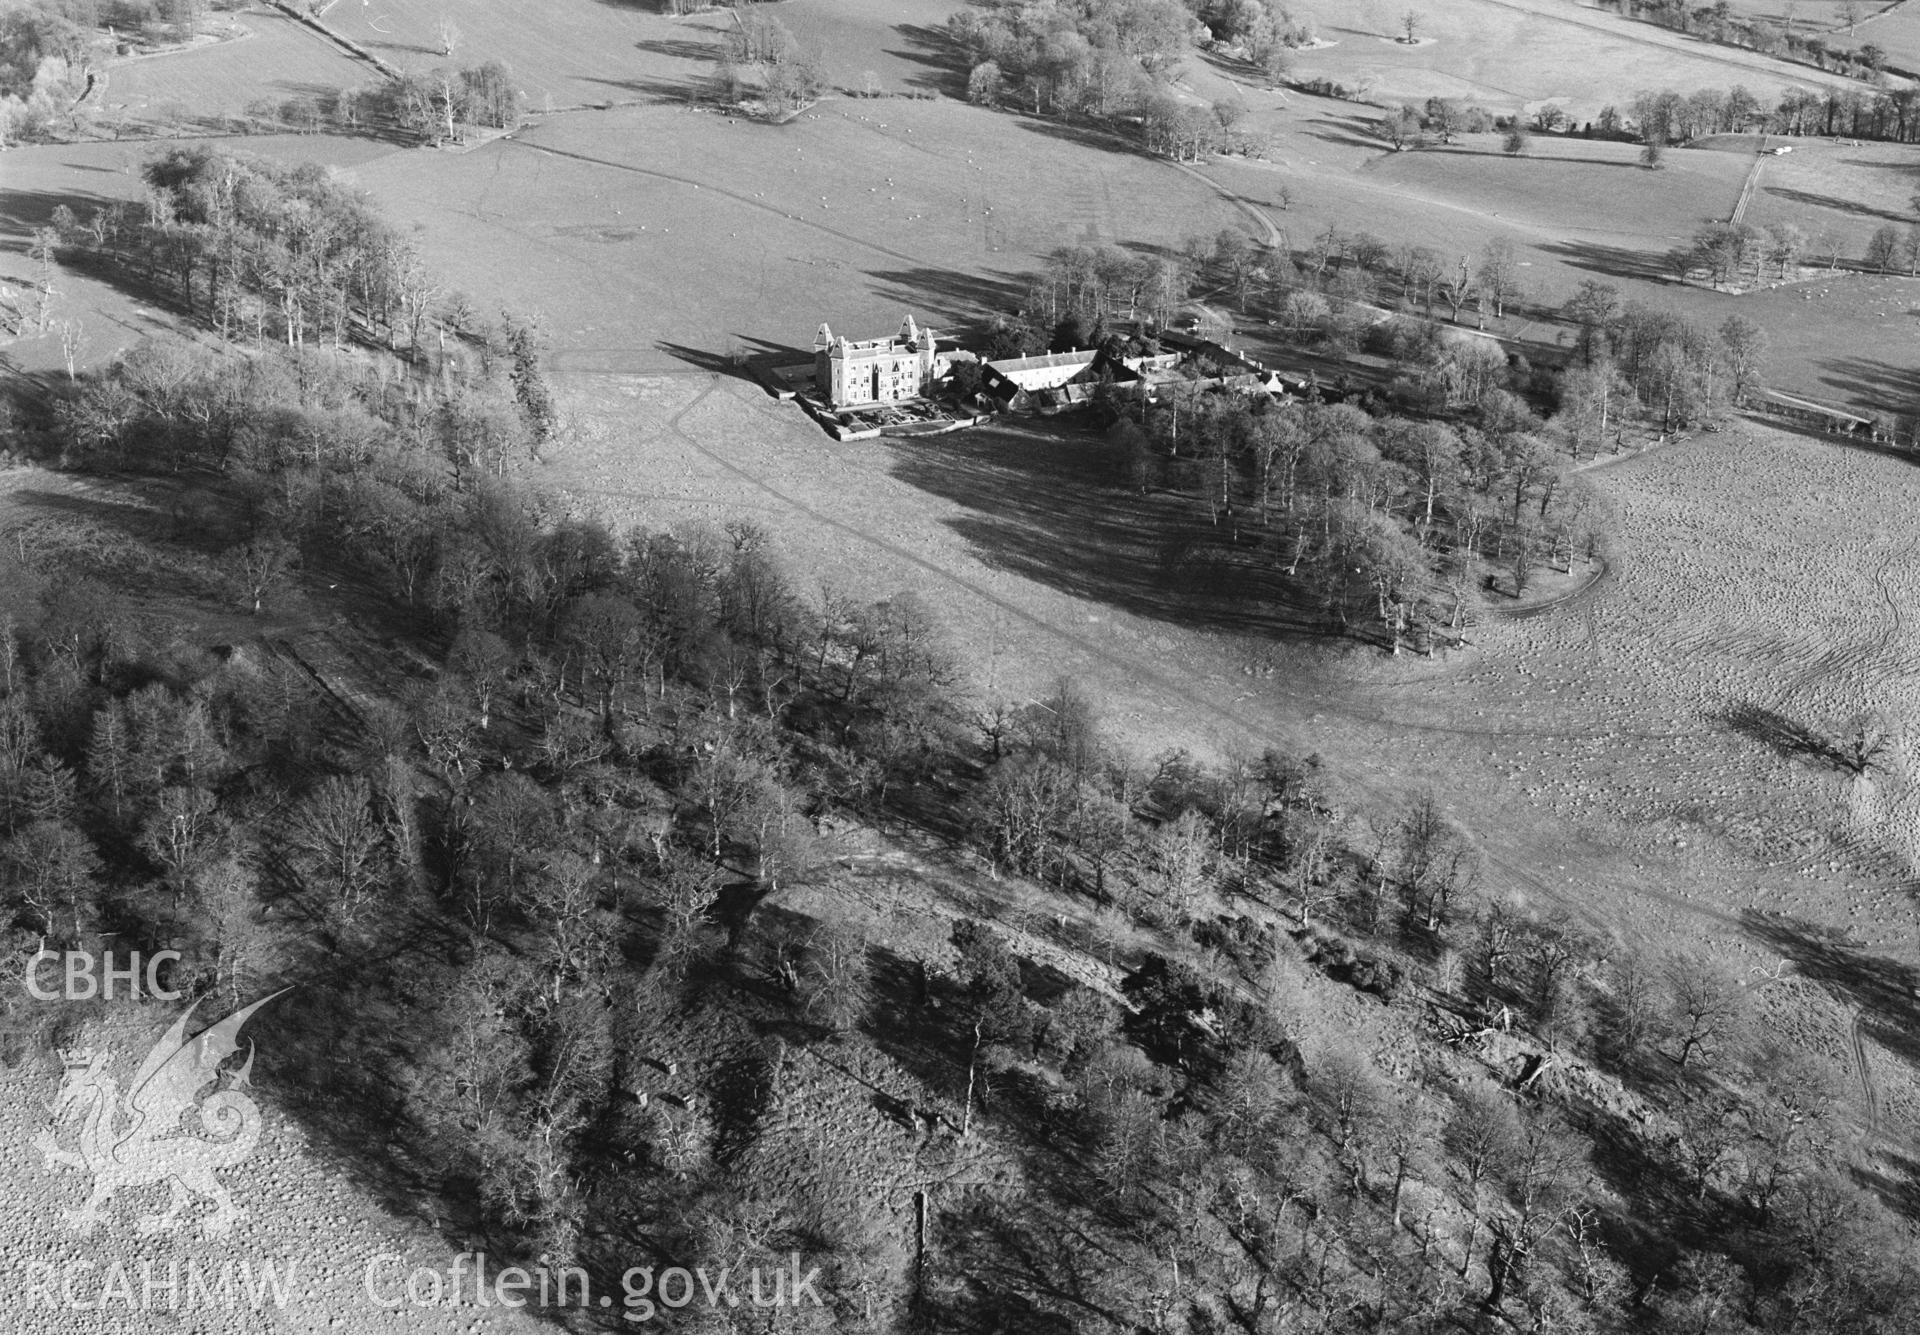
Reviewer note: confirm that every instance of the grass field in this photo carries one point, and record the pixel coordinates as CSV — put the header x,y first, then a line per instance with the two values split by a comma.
x,y
685,229
565,54
1572,186
1511,55
1850,187
280,60
1895,31
898,41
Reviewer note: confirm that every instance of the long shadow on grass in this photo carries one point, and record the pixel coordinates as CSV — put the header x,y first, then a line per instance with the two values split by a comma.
x,y
1614,261
943,59
950,293
1867,380
1811,200
682,49
1045,505
1886,990
1347,132
26,211
708,359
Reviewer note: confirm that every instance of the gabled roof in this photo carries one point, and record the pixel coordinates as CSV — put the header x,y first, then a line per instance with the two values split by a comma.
x,y
1084,357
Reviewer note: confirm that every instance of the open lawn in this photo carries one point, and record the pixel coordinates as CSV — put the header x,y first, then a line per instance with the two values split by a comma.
x,y
651,237
564,53
212,85
1895,30
1513,55
1850,187
1843,338
901,43
1576,186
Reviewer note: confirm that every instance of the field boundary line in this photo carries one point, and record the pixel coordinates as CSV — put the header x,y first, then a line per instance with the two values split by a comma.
x,y
339,39
1752,183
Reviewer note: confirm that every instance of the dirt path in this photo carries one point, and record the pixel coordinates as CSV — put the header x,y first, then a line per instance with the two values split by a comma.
x,y
1751,184
1870,1096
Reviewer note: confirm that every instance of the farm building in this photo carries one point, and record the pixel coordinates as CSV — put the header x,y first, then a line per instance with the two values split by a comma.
x,y
1008,379
850,372
1818,416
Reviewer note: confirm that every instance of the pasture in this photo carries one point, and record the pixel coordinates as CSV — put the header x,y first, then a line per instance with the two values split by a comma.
x,y
1849,187
1575,187
1895,30
1517,55
583,53
901,43
650,237
211,86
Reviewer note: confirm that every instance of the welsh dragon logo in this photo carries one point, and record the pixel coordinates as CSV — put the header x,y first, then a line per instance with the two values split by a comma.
x,y
137,1140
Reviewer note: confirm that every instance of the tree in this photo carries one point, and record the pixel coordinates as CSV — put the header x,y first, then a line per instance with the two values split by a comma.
x,y
52,871
614,642
1402,128
1352,1099
529,382
834,979
1708,1005
1785,244
1594,306
985,84
181,836
1883,247
1410,26
1653,153
1480,1133
1743,345
1496,278
1538,1174
1517,139
337,846
261,566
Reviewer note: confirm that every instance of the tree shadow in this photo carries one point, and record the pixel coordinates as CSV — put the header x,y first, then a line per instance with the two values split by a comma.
x,y
1898,1183
969,298
664,90
707,360
1786,736
1347,132
26,211
941,57
1811,200
1885,990
1080,133
1613,261
680,48
1868,380
1044,504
